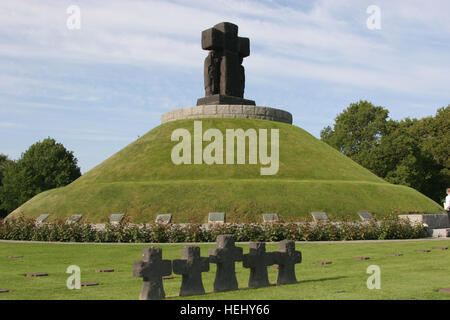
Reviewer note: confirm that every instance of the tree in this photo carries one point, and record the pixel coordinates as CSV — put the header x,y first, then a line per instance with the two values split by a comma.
x,y
411,152
357,131
4,162
435,132
45,165
401,159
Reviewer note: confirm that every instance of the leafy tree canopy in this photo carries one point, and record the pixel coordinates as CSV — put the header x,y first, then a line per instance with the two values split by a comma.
x,y
411,152
45,165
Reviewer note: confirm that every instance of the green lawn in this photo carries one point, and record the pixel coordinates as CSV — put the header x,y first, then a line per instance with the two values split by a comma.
x,y
411,276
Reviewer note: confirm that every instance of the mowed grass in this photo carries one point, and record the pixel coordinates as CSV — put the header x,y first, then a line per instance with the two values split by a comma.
x,y
142,181
414,275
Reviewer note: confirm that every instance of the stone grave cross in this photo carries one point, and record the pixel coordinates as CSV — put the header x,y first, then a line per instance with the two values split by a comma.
x,y
152,268
191,266
286,258
225,255
258,260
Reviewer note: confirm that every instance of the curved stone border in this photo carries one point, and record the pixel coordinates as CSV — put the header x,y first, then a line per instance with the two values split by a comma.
x,y
228,111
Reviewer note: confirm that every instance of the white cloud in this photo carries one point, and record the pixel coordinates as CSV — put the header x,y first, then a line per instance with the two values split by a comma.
x,y
320,43
5,124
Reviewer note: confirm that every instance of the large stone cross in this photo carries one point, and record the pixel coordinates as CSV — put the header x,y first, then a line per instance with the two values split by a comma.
x,y
191,266
225,255
152,268
223,72
286,258
258,260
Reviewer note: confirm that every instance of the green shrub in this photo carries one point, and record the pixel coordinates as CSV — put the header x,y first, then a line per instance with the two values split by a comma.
x,y
388,228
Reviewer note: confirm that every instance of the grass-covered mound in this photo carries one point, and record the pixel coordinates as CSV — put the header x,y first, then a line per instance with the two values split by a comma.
x,y
142,181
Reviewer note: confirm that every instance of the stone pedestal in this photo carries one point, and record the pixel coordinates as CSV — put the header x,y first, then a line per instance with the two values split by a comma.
x,y
228,111
224,99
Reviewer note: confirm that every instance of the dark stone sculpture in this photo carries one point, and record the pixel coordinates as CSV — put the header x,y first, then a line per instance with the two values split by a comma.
x,y
225,255
152,268
258,260
223,72
286,258
191,266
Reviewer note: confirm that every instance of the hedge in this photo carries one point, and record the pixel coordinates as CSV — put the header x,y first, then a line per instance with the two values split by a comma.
x,y
389,228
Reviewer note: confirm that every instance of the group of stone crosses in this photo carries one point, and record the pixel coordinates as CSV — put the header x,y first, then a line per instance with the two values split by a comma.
x,y
152,268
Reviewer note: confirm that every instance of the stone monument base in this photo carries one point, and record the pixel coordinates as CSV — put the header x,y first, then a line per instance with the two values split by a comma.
x,y
224,99
228,111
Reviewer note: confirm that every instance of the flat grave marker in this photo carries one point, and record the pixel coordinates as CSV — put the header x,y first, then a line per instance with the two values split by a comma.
x,y
42,217
319,216
445,290
89,284
423,250
361,258
323,262
74,218
163,218
3,290
36,274
104,270
15,257
270,217
216,217
365,216
116,218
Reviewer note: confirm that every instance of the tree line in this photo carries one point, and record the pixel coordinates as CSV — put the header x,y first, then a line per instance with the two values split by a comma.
x,y
410,152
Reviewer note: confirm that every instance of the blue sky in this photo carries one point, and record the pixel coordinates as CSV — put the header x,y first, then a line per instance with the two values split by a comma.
x,y
98,88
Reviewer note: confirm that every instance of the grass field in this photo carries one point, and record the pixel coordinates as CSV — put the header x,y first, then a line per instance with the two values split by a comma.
x,y
414,275
142,181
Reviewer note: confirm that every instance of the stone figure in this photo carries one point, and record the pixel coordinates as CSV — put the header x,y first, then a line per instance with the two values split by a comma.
x,y
224,74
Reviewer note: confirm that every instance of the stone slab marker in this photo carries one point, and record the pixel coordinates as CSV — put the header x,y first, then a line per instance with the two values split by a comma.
x,y
116,218
163,218
286,258
74,218
216,217
319,216
191,266
225,255
270,217
258,260
152,268
365,216
42,217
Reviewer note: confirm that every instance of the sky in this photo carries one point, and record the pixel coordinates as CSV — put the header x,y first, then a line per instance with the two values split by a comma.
x,y
97,88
